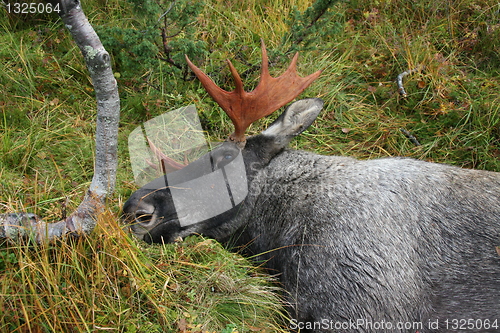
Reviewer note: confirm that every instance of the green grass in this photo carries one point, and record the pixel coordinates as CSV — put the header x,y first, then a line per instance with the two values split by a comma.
x,y
110,281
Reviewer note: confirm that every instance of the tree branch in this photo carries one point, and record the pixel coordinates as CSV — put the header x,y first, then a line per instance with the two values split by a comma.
x,y
410,136
167,49
399,79
83,220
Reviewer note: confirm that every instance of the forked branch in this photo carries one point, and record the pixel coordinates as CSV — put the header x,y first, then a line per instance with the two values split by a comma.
x,y
20,225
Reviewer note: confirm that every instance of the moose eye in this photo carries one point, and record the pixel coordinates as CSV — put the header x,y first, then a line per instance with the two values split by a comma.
x,y
223,160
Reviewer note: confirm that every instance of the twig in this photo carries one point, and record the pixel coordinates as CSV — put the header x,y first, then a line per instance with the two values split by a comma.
x,y
166,12
410,136
167,50
399,79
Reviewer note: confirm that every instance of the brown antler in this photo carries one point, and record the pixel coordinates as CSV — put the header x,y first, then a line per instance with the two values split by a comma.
x,y
270,94
167,164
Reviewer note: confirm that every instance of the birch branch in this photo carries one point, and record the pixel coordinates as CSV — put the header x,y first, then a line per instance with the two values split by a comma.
x,y
82,221
399,79
410,136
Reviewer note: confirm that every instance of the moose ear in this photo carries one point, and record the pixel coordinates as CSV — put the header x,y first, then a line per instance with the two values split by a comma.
x,y
296,118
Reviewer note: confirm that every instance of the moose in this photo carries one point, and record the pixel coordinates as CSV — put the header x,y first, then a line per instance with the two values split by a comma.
x,y
385,245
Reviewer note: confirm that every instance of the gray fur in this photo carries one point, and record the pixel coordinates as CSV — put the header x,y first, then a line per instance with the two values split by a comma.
x,y
360,245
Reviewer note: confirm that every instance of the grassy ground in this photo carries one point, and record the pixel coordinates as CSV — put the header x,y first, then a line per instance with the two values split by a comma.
x,y
110,281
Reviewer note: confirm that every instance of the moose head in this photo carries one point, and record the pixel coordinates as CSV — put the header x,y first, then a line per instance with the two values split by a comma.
x,y
159,212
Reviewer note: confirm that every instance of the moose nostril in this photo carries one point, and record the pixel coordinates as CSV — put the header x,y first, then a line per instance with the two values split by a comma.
x,y
143,218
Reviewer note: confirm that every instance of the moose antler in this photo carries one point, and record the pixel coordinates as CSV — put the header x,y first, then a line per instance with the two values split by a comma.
x,y
167,164
270,94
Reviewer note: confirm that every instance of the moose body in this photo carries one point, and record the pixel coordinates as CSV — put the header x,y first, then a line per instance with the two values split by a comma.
x,y
396,241
386,245
392,244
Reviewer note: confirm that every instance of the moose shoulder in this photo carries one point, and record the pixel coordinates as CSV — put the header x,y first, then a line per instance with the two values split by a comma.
x,y
397,242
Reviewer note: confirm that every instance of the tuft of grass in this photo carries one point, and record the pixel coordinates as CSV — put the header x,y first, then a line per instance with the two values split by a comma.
x,y
108,281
